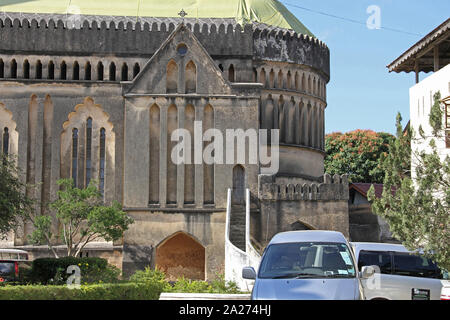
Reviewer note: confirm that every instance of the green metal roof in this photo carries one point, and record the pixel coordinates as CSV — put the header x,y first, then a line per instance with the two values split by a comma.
x,y
270,12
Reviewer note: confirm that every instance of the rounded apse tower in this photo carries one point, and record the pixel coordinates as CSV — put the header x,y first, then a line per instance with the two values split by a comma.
x,y
294,70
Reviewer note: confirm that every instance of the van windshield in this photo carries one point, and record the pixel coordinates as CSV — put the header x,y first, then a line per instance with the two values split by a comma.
x,y
307,260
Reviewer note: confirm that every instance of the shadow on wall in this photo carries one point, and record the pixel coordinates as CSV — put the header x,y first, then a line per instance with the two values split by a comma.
x,y
136,258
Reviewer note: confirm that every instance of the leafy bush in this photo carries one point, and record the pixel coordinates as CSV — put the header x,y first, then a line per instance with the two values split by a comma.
x,y
218,285
148,275
183,285
121,291
53,270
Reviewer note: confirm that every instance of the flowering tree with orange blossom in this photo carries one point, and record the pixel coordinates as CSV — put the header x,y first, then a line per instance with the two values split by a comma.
x,y
358,154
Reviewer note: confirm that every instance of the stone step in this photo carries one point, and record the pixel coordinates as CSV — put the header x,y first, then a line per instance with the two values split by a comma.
x,y
237,226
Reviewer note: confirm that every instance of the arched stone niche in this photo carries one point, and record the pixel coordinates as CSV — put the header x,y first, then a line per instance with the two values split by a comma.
x,y
181,255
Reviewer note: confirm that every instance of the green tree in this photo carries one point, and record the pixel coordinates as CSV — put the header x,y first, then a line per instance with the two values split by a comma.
x,y
357,153
416,206
13,200
82,216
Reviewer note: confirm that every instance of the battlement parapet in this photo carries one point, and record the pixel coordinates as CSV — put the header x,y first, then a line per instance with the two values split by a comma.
x,y
71,35
332,188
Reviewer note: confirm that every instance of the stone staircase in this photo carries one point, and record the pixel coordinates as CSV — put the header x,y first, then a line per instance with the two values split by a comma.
x,y
237,226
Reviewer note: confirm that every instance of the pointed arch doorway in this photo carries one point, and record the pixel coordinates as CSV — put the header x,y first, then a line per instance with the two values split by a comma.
x,y
181,255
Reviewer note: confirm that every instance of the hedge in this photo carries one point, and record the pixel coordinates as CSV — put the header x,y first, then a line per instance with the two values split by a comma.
x,y
44,270
122,291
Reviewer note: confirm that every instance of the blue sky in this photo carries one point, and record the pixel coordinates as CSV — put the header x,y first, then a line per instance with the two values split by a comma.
x,y
362,94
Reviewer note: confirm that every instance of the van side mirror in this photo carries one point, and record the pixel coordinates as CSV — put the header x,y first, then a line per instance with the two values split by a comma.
x,y
248,273
367,272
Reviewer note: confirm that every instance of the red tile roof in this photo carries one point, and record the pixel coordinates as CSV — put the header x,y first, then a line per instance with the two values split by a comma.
x,y
363,188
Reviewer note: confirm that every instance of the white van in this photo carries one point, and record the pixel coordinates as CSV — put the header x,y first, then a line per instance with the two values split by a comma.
x,y
400,274
307,265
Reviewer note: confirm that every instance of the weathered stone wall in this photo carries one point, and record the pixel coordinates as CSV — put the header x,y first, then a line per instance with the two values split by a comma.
x,y
245,78
152,228
321,206
40,110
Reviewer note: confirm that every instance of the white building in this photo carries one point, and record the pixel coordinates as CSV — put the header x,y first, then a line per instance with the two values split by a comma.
x,y
432,53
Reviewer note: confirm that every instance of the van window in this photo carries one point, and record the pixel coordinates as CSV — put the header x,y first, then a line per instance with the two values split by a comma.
x,y
7,268
376,258
307,260
411,265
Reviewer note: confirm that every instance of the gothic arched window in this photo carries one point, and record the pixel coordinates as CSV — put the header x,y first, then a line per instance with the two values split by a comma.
x,y
112,72
87,71
63,71
191,77
75,156
88,150
2,69
76,71
5,147
13,69
26,69
124,72
39,69
101,174
51,70
231,75
84,153
136,70
172,77
100,71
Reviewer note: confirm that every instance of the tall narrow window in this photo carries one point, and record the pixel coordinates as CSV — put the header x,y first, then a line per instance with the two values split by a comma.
x,y
289,81
124,72
101,174
13,69
262,77
208,169
272,79
172,125
2,69
303,82
88,151
231,75
155,141
51,70
136,70
280,80
63,71
100,71
191,77
5,147
76,71
112,72
26,69
39,69
87,71
75,156
172,77
189,168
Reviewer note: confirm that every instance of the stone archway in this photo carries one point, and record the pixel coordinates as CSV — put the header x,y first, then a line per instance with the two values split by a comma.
x,y
300,226
181,255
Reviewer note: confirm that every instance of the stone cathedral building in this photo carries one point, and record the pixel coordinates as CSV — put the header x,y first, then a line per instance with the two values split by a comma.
x,y
98,96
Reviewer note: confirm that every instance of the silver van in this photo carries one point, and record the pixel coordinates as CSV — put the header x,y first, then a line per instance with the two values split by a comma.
x,y
307,265
399,273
